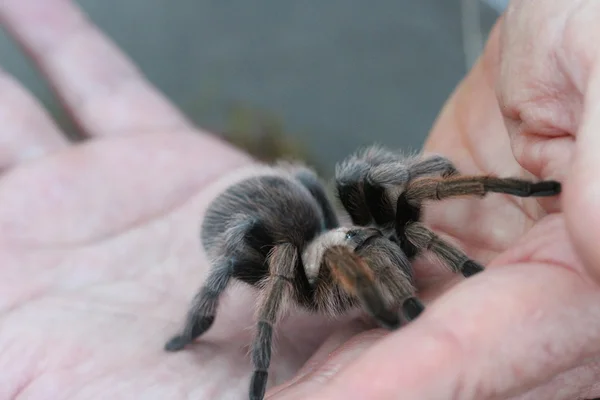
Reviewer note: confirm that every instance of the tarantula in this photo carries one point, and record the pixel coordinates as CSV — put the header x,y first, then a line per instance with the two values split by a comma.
x,y
385,189
277,230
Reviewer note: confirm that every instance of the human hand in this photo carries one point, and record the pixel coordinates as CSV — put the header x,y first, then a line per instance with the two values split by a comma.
x,y
529,326
99,241
110,278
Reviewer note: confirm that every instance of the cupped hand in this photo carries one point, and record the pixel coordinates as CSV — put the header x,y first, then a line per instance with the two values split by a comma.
x,y
529,326
99,240
99,247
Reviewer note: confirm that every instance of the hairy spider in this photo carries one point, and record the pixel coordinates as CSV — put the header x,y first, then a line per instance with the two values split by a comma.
x,y
385,189
277,231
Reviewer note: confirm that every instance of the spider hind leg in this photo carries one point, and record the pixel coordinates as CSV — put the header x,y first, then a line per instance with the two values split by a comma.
x,y
202,311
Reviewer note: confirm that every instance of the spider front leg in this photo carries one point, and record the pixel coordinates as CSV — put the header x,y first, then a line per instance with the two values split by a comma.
x,y
414,238
384,181
394,271
443,188
365,181
358,279
422,238
399,173
372,269
435,165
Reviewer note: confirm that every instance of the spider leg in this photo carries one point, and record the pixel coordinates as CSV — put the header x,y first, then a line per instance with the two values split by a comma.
x,y
202,311
432,165
402,288
203,308
377,198
412,308
394,270
358,278
315,187
408,204
424,239
400,172
378,203
277,291
442,188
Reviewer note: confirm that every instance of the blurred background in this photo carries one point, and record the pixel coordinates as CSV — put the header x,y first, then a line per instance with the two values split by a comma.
x,y
312,80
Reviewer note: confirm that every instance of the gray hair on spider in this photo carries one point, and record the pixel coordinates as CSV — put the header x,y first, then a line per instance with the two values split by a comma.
x,y
277,231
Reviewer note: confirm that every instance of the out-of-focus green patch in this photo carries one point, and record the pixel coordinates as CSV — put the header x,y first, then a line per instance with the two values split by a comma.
x,y
260,133
263,136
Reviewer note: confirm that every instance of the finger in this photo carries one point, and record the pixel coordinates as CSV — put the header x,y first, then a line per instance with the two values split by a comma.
x,y
102,89
582,190
27,130
358,330
577,383
495,335
336,352
550,92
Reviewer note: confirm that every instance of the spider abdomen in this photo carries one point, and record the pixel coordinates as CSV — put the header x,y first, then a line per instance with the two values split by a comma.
x,y
252,216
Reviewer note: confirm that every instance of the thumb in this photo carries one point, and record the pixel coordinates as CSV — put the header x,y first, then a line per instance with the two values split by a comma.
x,y
581,191
337,351
493,336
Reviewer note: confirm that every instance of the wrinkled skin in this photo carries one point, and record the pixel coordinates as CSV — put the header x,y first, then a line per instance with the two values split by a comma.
x,y
99,248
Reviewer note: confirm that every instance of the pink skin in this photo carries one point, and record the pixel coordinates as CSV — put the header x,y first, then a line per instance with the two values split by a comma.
x,y
99,249
529,327
99,242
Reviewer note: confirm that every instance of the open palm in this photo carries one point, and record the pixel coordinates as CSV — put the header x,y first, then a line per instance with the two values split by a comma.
x,y
99,246
99,241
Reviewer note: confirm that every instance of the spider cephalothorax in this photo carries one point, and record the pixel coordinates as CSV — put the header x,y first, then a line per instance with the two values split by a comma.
x,y
381,188
277,231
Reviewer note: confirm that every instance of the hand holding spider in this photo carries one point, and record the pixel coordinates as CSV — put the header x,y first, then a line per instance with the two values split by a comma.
x,y
529,327
96,261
